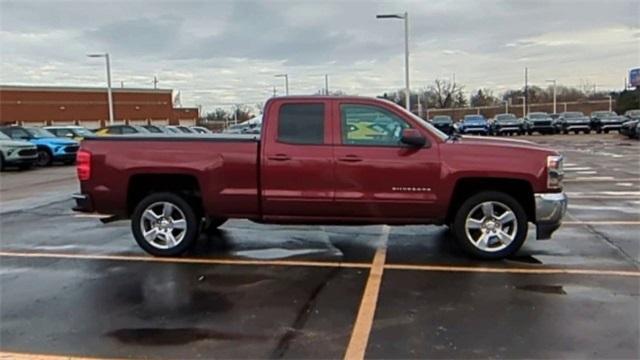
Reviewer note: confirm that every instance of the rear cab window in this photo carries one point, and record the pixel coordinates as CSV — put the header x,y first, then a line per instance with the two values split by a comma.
x,y
302,124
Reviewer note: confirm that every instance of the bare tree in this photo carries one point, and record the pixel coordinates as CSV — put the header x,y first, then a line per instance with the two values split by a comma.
x,y
446,94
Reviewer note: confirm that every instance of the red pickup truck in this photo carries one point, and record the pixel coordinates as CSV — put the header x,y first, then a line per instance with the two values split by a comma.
x,y
325,160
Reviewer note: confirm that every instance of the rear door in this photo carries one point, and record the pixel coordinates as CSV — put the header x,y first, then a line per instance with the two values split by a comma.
x,y
377,176
297,156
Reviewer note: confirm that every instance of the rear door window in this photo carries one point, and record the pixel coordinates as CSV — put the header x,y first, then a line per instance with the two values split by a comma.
x,y
301,124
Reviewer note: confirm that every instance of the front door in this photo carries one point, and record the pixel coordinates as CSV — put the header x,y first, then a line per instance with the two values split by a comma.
x,y
377,176
297,172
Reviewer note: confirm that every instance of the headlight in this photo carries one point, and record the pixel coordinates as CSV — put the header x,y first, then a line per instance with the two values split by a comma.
x,y
555,172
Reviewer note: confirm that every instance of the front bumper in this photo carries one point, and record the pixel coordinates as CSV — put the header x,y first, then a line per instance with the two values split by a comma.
x,y
508,129
577,127
550,209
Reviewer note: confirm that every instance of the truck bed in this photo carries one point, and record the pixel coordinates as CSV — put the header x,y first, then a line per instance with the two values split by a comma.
x,y
224,166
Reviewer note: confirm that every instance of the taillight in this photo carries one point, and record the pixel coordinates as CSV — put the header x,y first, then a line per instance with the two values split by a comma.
x,y
83,165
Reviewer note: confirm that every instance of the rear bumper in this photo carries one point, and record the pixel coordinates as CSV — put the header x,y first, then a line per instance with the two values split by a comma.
x,y
83,203
550,209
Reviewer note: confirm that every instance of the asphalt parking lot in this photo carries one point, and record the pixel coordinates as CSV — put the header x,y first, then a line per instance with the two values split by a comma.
x,y
73,286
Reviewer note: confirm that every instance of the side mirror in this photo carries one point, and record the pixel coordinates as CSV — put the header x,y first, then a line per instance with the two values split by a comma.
x,y
412,137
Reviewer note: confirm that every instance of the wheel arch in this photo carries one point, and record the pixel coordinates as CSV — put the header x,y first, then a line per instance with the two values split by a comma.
x,y
141,185
520,189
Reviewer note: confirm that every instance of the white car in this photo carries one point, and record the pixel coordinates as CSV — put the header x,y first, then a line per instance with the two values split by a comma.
x,y
22,154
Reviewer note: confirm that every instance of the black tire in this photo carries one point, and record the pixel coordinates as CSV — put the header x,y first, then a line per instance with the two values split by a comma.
x,y
1,162
25,166
599,131
605,131
468,205
530,132
44,158
192,224
587,131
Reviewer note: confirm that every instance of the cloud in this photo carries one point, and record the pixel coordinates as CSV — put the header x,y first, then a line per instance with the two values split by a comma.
x,y
224,52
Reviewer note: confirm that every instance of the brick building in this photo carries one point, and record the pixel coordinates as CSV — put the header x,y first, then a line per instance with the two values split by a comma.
x,y
43,105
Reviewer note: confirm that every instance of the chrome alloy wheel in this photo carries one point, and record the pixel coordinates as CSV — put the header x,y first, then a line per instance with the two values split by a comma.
x,y
163,225
491,226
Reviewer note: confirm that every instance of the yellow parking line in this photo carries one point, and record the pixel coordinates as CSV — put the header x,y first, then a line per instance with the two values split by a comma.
x,y
187,260
364,321
534,271
379,253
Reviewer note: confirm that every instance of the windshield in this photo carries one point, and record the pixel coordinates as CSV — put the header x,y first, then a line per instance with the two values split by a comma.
x,y
505,117
633,112
39,133
82,132
538,115
473,118
423,123
441,118
603,113
573,114
4,137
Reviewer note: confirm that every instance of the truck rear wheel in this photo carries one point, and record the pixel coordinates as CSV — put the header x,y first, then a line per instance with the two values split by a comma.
x,y
165,224
490,225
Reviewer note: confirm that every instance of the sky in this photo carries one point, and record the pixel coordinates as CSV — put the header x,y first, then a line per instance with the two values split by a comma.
x,y
218,53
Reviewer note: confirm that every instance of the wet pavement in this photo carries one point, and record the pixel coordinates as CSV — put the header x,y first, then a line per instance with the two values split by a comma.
x,y
73,286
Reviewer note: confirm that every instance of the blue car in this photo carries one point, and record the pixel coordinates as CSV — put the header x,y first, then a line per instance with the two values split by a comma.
x,y
50,148
474,124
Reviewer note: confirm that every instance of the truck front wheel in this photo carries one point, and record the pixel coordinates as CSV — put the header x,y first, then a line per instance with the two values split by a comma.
x,y
165,224
490,225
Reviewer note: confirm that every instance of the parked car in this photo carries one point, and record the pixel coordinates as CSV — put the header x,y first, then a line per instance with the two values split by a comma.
x,y
605,121
506,124
630,128
474,124
72,132
443,123
121,130
50,148
487,190
201,130
247,128
539,122
154,129
574,121
179,129
632,114
22,154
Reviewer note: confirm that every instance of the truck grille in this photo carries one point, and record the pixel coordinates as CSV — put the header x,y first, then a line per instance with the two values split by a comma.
x,y
71,149
27,152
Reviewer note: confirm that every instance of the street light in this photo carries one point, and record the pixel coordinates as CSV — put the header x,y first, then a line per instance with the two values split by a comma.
x,y
506,107
610,101
286,83
554,95
405,17
109,95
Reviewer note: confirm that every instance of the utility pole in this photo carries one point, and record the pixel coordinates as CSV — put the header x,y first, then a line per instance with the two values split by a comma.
x,y
274,91
155,82
554,95
526,91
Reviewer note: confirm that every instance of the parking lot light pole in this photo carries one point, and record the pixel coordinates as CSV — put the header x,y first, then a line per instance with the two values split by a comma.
x,y
109,95
524,105
286,83
554,94
326,84
506,106
405,17
610,102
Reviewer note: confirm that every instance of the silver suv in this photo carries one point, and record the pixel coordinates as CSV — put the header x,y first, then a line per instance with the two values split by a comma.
x,y
22,154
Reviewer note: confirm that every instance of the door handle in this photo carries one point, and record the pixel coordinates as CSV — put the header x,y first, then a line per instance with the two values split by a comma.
x,y
279,157
350,158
